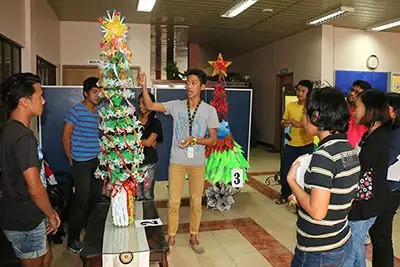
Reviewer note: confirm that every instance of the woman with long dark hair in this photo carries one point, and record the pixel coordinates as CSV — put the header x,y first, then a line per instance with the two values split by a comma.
x,y
371,111
381,231
151,135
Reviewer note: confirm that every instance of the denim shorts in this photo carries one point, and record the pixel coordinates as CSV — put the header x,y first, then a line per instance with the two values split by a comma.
x,y
28,244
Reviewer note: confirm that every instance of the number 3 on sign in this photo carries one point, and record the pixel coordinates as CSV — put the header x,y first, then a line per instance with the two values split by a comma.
x,y
237,178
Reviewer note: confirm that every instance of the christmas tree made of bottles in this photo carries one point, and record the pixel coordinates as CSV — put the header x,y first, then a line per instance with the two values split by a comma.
x,y
122,152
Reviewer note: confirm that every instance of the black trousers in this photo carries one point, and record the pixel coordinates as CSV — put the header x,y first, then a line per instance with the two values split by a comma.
x,y
289,155
143,193
87,193
381,232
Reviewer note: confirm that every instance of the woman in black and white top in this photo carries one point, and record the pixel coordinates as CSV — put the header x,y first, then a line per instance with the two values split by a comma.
x,y
322,228
151,135
371,111
381,231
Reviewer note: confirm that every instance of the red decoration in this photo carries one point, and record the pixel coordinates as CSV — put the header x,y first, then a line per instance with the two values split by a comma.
x,y
220,103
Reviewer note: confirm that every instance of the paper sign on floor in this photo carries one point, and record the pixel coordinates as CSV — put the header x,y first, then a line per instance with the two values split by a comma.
x,y
148,222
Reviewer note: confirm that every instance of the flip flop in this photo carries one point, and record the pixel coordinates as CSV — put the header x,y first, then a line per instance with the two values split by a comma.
x,y
281,201
197,248
170,247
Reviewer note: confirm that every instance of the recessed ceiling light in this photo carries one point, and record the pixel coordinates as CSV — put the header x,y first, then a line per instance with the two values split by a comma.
x,y
334,14
385,26
146,5
267,10
237,7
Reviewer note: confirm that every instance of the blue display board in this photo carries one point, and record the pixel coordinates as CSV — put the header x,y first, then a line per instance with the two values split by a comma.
x,y
58,101
344,79
60,98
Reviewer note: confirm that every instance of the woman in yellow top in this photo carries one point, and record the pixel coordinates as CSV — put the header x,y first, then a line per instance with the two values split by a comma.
x,y
299,143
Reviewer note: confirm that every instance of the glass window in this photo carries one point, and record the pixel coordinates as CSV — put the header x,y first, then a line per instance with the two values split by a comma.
x,y
46,71
17,59
10,63
7,60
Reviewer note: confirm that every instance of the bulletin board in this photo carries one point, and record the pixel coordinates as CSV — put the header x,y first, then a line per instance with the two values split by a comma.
x,y
60,98
394,82
344,79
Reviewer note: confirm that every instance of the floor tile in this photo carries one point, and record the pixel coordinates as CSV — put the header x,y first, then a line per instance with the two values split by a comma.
x,y
218,261
250,260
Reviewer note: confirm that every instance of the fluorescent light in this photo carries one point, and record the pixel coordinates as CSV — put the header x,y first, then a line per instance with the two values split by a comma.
x,y
385,26
237,7
334,14
146,5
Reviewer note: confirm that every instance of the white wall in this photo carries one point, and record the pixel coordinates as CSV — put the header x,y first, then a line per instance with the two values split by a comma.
x,y
353,47
313,54
327,54
300,54
349,49
12,20
206,55
80,42
34,25
46,33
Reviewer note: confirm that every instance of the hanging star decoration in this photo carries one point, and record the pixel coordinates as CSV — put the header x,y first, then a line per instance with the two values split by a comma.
x,y
220,66
113,27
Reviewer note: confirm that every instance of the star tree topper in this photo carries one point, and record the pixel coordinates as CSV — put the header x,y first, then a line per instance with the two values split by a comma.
x,y
113,27
220,66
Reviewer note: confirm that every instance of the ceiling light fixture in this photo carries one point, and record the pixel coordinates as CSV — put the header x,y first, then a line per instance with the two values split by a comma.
x,y
385,26
237,7
334,14
267,10
146,5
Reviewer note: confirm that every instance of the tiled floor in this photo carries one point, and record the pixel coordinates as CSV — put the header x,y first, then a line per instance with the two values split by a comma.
x,y
255,232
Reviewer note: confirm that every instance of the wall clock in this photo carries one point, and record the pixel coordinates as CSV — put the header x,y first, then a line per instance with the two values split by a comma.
x,y
372,62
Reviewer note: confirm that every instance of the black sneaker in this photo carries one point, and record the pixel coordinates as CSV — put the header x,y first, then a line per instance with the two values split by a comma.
x,y
75,247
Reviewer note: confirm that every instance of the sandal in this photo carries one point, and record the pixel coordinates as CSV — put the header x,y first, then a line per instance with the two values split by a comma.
x,y
281,201
170,247
197,248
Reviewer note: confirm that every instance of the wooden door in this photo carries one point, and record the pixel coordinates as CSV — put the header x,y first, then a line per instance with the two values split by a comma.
x,y
75,75
284,87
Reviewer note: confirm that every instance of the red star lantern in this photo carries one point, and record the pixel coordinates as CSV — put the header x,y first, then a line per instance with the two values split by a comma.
x,y
220,66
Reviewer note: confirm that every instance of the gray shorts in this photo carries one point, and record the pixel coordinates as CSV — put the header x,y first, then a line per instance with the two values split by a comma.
x,y
29,244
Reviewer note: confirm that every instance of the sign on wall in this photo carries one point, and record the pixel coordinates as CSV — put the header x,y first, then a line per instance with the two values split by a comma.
x,y
394,82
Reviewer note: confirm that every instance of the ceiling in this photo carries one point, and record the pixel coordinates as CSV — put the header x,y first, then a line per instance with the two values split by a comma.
x,y
251,29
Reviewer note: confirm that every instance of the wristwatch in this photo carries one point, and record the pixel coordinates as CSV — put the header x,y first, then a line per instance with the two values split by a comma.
x,y
194,141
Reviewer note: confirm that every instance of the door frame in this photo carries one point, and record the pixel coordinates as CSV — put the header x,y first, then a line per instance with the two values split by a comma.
x,y
279,105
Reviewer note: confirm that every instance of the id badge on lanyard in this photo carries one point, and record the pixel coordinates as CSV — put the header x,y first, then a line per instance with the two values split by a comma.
x,y
190,149
190,152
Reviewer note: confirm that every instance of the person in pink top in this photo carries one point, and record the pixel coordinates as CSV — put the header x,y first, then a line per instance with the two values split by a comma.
x,y
355,132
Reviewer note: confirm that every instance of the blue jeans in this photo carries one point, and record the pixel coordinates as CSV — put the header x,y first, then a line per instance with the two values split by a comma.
x,y
289,155
331,258
30,244
359,230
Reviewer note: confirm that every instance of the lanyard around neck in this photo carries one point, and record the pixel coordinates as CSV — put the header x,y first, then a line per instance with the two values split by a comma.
x,y
191,117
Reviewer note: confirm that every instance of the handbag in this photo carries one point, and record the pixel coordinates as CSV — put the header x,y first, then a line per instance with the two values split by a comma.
x,y
365,185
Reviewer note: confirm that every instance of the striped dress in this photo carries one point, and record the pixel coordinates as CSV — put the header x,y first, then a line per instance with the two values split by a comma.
x,y
85,139
334,167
